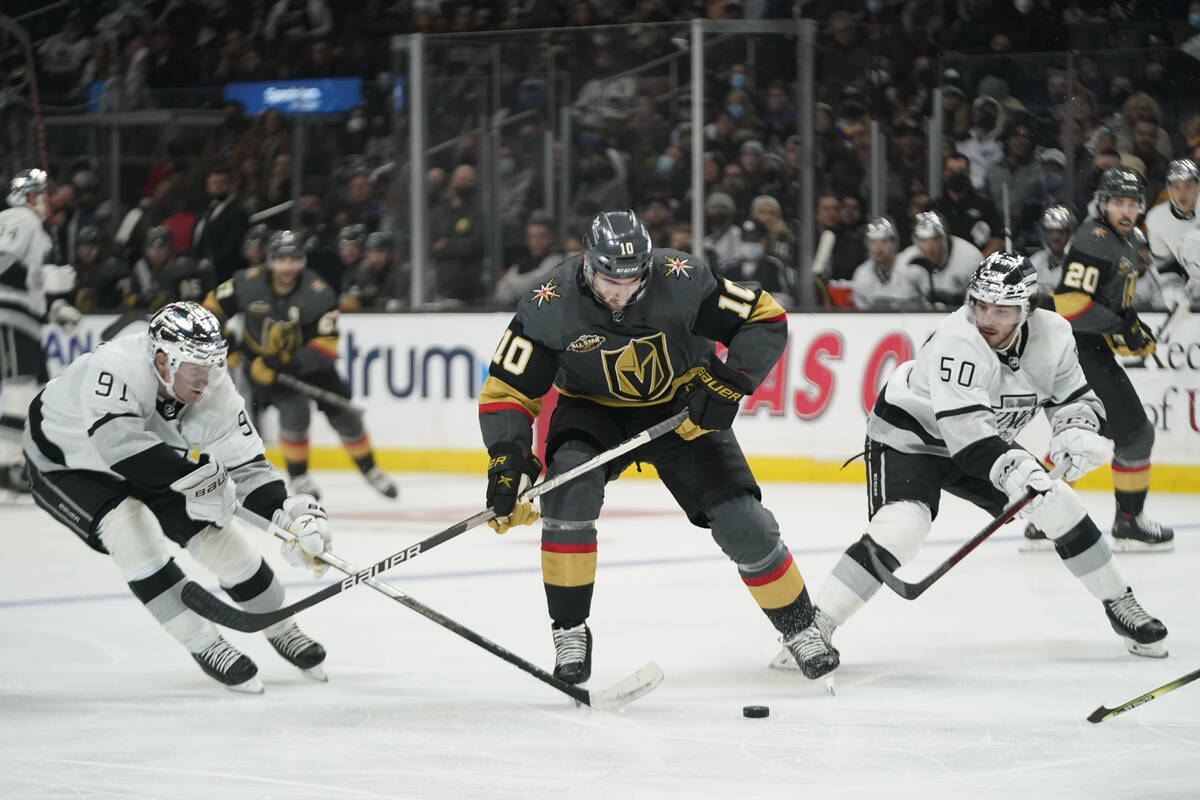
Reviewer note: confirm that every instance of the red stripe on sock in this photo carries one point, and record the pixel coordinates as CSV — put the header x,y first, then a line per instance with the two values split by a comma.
x,y
552,547
773,575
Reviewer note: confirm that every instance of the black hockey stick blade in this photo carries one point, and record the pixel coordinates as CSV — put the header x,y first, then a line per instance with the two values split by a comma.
x,y
911,591
207,605
1102,713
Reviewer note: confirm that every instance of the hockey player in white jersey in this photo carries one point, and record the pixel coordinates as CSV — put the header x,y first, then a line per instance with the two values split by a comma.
x,y
31,292
947,260
1166,223
947,420
1058,223
883,282
146,440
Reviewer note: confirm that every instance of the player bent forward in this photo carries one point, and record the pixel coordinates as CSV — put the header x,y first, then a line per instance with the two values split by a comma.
x,y
106,443
946,421
625,332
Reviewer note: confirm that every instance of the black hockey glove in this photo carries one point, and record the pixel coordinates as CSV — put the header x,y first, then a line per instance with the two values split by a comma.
x,y
511,470
711,398
1131,339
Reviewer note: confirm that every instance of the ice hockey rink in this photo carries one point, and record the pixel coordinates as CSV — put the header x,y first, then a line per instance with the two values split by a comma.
x,y
979,688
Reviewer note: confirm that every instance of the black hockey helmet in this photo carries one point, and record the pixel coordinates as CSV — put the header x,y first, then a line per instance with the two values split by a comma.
x,y
617,245
257,233
1121,182
379,240
1004,279
159,236
286,244
355,234
89,234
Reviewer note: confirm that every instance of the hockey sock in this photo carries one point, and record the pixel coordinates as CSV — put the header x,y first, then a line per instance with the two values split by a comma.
x,y
295,453
851,583
1085,552
261,592
568,568
779,590
359,449
1131,482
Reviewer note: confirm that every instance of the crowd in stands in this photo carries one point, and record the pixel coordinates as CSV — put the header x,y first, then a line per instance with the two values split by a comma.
x,y
1009,135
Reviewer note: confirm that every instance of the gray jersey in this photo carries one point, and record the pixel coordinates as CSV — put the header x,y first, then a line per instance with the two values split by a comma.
x,y
951,279
900,289
959,398
24,245
104,414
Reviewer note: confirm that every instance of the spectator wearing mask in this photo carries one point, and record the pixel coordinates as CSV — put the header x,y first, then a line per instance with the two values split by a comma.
x,y
983,147
968,213
531,269
881,282
722,239
456,228
754,268
781,242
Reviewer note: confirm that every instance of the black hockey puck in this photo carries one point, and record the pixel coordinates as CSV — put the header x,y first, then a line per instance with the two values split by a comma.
x,y
755,712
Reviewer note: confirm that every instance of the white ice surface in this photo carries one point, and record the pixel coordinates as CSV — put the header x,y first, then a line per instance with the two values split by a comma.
x,y
978,689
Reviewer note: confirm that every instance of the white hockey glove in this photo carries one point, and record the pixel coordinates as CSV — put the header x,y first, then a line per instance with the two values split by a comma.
x,y
208,492
57,279
305,518
1076,435
1017,472
65,316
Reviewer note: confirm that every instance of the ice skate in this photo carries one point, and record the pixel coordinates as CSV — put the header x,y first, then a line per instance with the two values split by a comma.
x,y
14,485
1143,634
1034,540
300,651
812,649
381,482
305,484
225,663
573,653
1138,533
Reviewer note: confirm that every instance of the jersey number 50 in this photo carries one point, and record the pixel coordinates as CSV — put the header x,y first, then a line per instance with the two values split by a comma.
x,y
1080,277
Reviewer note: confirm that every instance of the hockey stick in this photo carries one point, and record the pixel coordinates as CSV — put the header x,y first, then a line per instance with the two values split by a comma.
x,y
911,591
208,606
1182,308
1008,247
318,394
1103,712
624,691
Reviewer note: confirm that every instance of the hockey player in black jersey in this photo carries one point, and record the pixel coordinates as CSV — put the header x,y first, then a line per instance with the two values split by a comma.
x,y
146,440
1096,295
625,332
160,276
290,325
948,420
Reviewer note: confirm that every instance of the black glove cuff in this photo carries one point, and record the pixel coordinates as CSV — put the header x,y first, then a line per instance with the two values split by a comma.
x,y
726,374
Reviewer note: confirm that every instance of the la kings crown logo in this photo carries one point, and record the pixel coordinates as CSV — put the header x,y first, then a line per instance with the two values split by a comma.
x,y
641,370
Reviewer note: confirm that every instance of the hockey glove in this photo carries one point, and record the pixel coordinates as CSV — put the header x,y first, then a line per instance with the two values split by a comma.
x,y
1075,434
511,470
57,279
264,370
1132,339
711,398
305,518
208,493
64,315
1017,472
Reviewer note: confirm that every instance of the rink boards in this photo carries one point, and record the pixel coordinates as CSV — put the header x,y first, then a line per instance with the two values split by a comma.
x,y
418,375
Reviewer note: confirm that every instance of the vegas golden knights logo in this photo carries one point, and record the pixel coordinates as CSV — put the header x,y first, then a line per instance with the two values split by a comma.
x,y
639,371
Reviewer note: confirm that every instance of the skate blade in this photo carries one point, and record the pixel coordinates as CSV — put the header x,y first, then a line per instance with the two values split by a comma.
x,y
1137,546
316,673
829,684
783,662
252,686
1150,650
1034,545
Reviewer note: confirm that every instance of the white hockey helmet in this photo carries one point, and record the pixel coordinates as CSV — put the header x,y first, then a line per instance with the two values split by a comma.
x,y
26,183
928,225
188,333
1004,279
880,228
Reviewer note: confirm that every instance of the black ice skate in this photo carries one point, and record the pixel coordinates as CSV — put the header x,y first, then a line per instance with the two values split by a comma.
x,y
380,481
813,649
572,653
1035,539
225,663
1139,533
300,651
14,484
1143,634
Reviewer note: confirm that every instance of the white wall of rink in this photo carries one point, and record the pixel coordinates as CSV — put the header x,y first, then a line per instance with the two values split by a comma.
x,y
419,376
